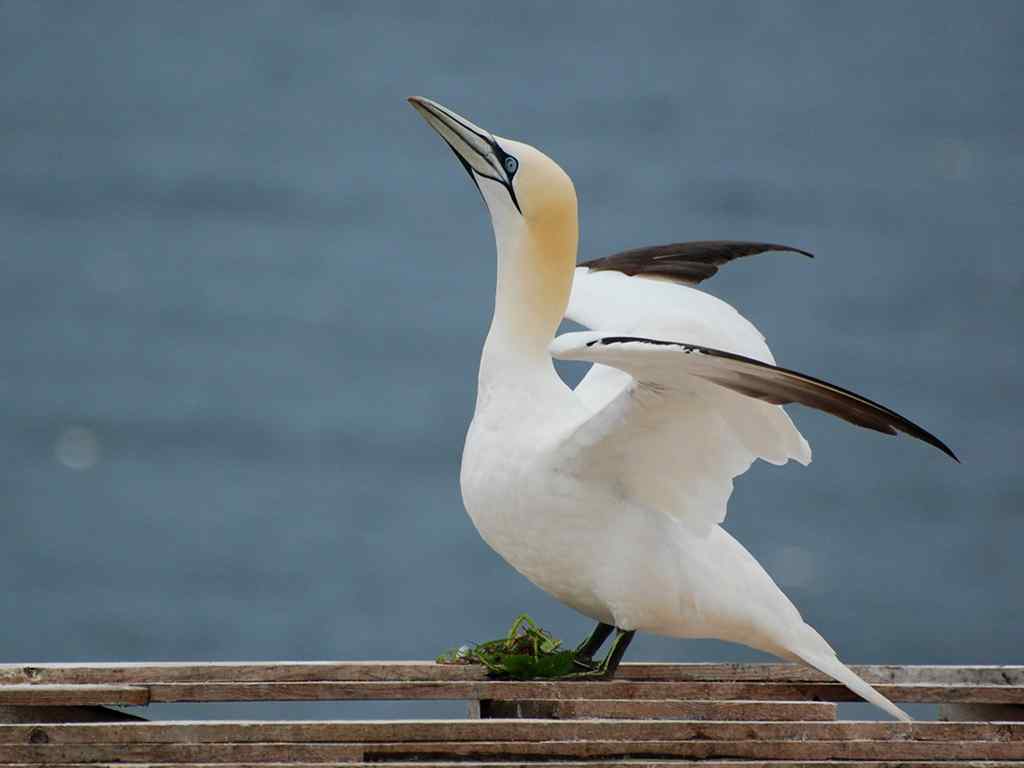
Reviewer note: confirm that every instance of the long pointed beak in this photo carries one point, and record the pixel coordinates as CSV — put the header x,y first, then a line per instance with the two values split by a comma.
x,y
476,148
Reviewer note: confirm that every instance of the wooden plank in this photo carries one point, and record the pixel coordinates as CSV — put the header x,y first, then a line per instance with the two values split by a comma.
x,y
616,689
238,672
696,710
653,709
46,754
512,750
410,731
69,695
587,764
423,671
72,695
983,712
912,674
63,714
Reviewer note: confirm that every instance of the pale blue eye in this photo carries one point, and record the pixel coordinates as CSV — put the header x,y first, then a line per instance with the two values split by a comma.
x,y
511,164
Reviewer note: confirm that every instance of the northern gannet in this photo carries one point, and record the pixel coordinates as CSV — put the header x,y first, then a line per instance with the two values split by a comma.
x,y
610,496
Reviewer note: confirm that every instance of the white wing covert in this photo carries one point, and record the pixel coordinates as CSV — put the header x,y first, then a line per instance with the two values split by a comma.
x,y
685,396
676,444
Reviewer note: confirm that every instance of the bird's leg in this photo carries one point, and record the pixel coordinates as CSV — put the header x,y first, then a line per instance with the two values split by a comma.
x,y
607,667
619,645
584,653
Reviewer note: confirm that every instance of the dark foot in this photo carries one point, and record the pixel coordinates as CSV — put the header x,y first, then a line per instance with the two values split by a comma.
x,y
619,645
605,670
586,650
585,663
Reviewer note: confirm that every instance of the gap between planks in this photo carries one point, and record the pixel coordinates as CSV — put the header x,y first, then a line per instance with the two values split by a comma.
x,y
655,709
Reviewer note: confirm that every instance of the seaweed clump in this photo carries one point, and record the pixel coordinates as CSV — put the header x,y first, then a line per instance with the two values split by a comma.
x,y
525,653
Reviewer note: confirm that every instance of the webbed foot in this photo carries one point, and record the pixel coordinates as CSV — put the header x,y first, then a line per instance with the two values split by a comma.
x,y
586,650
604,670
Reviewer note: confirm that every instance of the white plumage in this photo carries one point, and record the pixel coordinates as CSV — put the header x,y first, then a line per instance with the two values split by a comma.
x,y
683,477
609,497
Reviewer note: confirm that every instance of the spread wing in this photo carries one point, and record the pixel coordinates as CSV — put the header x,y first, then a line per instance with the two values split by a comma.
x,y
685,395
688,263
653,363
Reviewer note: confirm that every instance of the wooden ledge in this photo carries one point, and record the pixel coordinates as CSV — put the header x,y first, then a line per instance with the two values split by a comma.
x,y
143,673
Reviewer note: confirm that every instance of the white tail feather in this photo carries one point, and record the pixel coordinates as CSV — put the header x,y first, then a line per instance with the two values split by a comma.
x,y
834,668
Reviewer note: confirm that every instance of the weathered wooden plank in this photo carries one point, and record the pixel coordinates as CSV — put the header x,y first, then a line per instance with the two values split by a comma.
x,y
63,714
983,712
547,750
534,763
616,689
72,695
180,753
930,674
697,710
423,671
239,672
654,709
670,763
755,750
402,731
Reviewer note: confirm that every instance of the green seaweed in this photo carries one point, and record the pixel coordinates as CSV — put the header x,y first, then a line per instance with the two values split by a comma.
x,y
525,653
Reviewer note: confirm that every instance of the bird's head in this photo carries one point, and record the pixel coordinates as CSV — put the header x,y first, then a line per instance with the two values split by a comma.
x,y
520,184
532,204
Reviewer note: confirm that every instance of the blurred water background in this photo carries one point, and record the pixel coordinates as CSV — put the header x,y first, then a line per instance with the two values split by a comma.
x,y
243,290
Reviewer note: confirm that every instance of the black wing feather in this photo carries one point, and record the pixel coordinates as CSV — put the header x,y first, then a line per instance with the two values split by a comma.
x,y
689,262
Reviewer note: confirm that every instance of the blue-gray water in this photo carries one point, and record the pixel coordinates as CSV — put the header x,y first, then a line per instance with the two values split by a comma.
x,y
243,290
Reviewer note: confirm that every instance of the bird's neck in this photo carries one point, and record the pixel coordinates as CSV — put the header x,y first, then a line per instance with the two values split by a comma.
x,y
535,271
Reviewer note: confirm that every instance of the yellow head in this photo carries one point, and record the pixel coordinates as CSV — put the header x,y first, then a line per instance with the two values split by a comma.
x,y
532,203
535,186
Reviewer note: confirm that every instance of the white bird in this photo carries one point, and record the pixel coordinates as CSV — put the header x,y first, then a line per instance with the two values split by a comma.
x,y
609,497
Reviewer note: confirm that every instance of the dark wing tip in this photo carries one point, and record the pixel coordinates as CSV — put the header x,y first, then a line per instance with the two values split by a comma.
x,y
784,248
689,262
931,439
808,254
907,427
